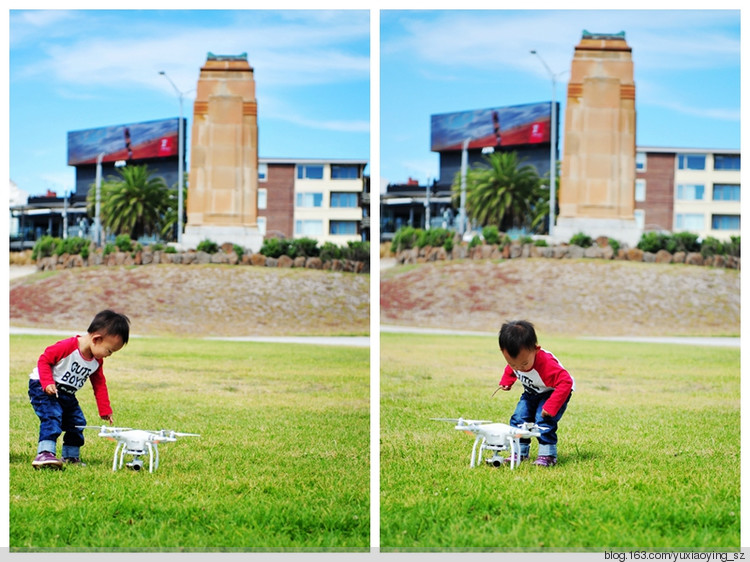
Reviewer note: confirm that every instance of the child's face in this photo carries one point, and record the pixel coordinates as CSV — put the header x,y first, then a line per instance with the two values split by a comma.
x,y
104,346
522,362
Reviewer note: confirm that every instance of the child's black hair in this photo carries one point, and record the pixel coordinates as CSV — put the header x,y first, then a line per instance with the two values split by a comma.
x,y
111,323
517,335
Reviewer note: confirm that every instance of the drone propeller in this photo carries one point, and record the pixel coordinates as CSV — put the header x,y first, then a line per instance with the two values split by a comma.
x,y
461,420
104,428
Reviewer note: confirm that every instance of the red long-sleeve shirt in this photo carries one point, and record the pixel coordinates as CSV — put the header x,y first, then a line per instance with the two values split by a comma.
x,y
547,374
62,364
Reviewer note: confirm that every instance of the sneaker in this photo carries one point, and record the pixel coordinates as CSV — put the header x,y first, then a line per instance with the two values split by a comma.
x,y
74,460
545,460
46,459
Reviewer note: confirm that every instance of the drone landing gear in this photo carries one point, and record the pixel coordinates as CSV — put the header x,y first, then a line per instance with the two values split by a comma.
x,y
512,444
137,464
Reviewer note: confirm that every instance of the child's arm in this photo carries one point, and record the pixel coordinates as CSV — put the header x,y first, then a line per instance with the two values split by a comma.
x,y
508,378
101,394
48,359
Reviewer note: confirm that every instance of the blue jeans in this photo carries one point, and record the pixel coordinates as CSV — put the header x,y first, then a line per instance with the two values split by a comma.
x,y
529,409
57,414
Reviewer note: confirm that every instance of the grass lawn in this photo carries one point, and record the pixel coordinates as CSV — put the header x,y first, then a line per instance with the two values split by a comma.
x,y
282,461
649,450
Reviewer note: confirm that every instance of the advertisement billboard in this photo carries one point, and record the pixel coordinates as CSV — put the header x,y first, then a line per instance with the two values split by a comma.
x,y
497,126
136,141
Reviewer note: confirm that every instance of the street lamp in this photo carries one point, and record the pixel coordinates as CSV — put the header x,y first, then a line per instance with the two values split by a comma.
x,y
464,168
179,161
553,143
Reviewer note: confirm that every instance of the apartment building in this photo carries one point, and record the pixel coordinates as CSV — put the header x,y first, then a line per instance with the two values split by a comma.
x,y
315,198
688,189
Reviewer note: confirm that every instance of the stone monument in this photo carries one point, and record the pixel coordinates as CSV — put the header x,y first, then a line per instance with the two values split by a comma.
x,y
597,180
222,200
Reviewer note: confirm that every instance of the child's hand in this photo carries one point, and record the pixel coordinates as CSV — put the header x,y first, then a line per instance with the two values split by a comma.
x,y
504,387
51,389
545,413
108,418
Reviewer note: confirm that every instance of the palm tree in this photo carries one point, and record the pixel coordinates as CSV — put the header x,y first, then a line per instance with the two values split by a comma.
x,y
135,204
502,192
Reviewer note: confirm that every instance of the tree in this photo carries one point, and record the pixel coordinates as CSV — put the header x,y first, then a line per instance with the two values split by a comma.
x,y
135,204
502,192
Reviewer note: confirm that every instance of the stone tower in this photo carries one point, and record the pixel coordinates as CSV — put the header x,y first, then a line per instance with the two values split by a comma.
x,y
597,182
222,201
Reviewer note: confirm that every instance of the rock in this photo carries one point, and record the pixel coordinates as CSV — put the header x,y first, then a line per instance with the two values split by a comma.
x,y
314,263
337,265
574,252
649,257
694,258
284,261
593,252
300,261
663,256
634,254
271,262
679,257
258,259
515,251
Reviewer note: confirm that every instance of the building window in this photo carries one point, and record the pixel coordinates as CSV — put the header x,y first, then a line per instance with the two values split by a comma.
x,y
726,192
262,225
690,192
640,217
262,172
344,171
262,197
343,199
309,199
640,161
691,161
726,162
310,171
640,190
308,227
343,227
689,221
725,222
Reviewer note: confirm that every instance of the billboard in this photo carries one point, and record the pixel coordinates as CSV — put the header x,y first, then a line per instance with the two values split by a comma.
x,y
497,126
136,141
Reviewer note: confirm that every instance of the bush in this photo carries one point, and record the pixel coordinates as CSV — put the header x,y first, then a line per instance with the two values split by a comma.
x,y
491,235
476,241
614,244
45,247
582,240
170,250
108,249
683,242
330,251
448,244
239,250
207,246
124,243
436,237
357,251
733,246
541,243
271,248
306,247
404,239
713,247
653,242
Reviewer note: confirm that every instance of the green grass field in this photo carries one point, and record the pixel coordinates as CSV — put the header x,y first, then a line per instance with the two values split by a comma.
x,y
282,462
649,450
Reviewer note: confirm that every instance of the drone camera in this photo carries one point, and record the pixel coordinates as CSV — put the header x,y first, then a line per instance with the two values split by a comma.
x,y
136,465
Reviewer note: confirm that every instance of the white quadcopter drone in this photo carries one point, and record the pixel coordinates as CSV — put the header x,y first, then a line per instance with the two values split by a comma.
x,y
495,437
137,442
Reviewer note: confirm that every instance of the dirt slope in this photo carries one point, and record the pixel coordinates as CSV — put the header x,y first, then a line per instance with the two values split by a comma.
x,y
196,300
564,297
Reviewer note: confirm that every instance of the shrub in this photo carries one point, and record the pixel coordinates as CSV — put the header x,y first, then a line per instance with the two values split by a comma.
x,y
653,242
239,250
448,244
357,251
683,242
436,237
404,239
733,246
108,249
476,241
45,247
582,240
170,250
526,240
156,247
330,251
271,248
713,247
306,247
542,243
124,243
614,244
491,235
207,246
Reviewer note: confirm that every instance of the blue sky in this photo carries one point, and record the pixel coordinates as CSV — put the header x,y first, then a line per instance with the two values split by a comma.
x,y
686,65
78,69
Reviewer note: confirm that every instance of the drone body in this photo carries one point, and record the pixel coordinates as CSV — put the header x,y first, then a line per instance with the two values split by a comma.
x,y
137,443
495,437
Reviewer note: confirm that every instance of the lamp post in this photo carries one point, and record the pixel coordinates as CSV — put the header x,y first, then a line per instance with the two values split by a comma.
x,y
98,204
179,160
464,165
553,143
